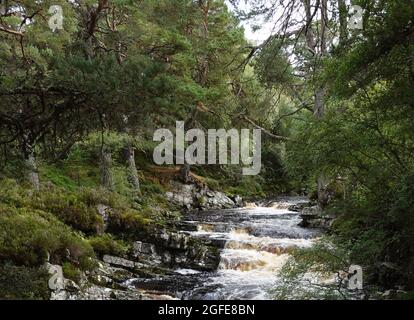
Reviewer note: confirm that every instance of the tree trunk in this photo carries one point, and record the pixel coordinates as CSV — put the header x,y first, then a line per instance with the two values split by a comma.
x,y
324,26
322,191
203,71
32,171
319,91
30,162
309,34
319,109
106,165
132,169
343,22
185,173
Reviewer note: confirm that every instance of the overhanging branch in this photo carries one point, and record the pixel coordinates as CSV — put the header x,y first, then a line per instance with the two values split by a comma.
x,y
267,132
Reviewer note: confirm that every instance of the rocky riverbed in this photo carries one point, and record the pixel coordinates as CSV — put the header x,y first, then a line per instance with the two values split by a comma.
x,y
221,249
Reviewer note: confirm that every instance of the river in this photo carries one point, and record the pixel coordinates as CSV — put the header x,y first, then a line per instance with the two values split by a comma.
x,y
254,244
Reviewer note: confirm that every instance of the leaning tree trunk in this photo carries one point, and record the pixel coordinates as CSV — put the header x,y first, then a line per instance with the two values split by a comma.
x,y
132,169
106,166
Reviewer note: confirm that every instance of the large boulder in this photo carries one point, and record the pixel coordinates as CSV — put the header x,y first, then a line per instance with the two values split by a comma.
x,y
169,249
211,200
314,217
182,195
191,196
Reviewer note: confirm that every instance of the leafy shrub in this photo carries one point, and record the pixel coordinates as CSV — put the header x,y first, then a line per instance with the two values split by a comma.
x,y
27,237
23,283
106,244
71,272
93,197
69,208
151,188
248,186
322,260
128,222
13,194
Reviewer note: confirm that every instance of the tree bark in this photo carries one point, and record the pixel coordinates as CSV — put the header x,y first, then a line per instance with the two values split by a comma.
x,y
319,91
29,156
132,169
309,34
203,71
324,26
32,170
106,166
319,109
343,22
185,173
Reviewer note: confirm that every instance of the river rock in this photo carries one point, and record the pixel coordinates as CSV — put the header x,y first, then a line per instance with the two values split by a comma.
x,y
95,292
191,196
313,217
299,207
238,201
182,194
142,248
60,287
120,262
215,200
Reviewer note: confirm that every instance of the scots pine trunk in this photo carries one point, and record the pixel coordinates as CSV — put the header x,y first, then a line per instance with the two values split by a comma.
x,y
32,170
30,163
343,22
106,168
132,169
185,173
320,90
202,76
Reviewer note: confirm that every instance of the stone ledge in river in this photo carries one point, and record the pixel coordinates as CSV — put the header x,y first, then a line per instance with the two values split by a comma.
x,y
191,196
175,249
121,262
313,217
94,292
103,283
299,207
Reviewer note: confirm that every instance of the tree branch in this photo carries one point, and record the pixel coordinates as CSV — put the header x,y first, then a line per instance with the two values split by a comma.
x,y
267,132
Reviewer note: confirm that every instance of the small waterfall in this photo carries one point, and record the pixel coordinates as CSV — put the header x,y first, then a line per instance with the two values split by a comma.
x,y
254,244
257,242
248,260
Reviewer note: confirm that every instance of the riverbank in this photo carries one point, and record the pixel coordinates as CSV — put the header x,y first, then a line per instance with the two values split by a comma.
x,y
217,254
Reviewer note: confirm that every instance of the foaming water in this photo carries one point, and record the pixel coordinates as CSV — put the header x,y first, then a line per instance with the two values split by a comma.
x,y
267,244
257,241
248,260
187,271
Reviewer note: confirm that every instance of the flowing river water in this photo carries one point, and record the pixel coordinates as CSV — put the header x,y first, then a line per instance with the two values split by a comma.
x,y
254,244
